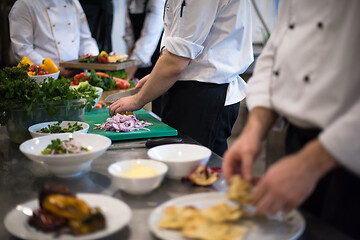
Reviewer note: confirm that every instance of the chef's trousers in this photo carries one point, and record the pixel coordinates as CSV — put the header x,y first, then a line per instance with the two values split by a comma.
x,y
197,109
336,198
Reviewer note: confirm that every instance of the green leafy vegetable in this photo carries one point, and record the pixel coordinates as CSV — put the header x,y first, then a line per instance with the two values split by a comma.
x,y
56,128
18,90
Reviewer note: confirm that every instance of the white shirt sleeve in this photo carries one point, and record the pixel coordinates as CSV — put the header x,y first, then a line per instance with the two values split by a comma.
x,y
150,33
21,33
190,26
342,138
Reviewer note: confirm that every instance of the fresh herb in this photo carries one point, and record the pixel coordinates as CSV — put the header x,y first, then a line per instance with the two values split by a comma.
x,y
104,83
119,74
87,60
56,128
18,90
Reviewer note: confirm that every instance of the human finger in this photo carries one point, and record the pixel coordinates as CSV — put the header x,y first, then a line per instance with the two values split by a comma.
x,y
276,206
264,203
258,192
247,167
229,165
142,81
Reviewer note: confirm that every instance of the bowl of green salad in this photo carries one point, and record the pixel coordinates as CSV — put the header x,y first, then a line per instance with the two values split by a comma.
x,y
55,127
66,154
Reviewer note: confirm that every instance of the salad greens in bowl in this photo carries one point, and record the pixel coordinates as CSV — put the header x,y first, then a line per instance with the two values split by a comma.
x,y
89,91
66,154
55,127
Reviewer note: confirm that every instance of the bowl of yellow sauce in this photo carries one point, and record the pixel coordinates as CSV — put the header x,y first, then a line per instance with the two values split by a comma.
x,y
140,176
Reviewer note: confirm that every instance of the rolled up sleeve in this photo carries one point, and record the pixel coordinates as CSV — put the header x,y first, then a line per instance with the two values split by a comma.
x,y
183,48
188,26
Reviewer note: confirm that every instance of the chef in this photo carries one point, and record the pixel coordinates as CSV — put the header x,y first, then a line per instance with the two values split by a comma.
x,y
143,29
309,74
57,29
205,46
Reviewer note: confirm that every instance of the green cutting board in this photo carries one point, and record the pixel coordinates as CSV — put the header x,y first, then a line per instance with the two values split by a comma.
x,y
158,129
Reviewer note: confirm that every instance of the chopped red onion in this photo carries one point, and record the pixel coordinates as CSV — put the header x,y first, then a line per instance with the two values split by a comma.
x,y
123,123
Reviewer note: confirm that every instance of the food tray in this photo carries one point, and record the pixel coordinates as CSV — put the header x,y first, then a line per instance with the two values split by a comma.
x,y
100,66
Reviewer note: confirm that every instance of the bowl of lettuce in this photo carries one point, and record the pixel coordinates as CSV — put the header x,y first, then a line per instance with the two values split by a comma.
x,y
89,91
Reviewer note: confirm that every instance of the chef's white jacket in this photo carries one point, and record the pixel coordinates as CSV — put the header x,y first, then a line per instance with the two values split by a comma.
x,y
216,36
144,47
57,29
309,72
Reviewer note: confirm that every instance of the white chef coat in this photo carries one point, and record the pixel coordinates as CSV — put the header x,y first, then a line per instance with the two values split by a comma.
x,y
57,29
309,72
144,47
216,36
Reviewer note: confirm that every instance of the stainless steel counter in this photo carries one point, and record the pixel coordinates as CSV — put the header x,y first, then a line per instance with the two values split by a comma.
x,y
21,179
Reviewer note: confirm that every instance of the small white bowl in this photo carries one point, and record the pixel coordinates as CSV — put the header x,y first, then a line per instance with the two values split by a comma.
x,y
137,185
182,159
35,128
99,92
41,78
66,165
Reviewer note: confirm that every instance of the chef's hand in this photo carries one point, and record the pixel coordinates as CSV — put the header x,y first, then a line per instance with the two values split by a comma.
x,y
288,182
130,103
241,155
142,81
67,72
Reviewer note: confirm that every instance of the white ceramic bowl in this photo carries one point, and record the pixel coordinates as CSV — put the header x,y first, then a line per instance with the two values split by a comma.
x,y
136,185
99,92
181,158
66,165
36,127
41,78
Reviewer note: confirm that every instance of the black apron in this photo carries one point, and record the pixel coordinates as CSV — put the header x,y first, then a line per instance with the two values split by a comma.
x,y
137,22
197,109
336,198
99,14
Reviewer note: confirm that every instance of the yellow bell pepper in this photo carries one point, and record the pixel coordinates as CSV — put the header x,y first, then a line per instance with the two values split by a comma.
x,y
24,61
49,66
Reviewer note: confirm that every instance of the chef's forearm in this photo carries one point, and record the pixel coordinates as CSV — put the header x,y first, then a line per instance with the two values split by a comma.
x,y
260,122
164,75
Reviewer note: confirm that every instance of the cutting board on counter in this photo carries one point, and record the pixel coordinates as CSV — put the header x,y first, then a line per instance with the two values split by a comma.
x,y
158,129
100,66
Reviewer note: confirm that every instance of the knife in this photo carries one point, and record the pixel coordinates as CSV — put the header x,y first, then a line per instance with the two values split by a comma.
x,y
149,143
116,96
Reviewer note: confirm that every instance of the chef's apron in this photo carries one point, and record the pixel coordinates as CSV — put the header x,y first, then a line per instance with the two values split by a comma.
x,y
99,14
336,198
137,22
197,109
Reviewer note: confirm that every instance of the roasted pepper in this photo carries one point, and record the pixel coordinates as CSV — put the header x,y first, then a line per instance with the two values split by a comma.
x,y
103,57
25,61
66,206
49,66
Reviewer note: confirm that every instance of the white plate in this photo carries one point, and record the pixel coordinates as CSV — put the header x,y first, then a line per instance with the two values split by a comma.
x,y
262,228
117,215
